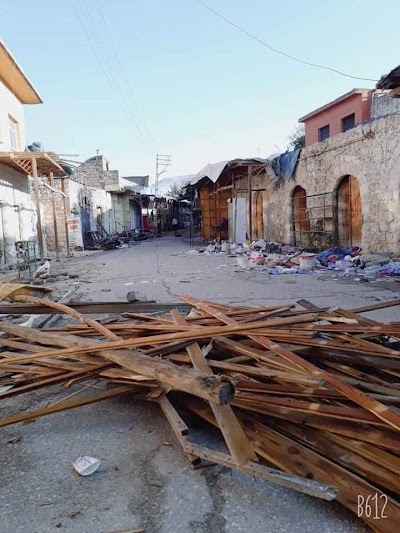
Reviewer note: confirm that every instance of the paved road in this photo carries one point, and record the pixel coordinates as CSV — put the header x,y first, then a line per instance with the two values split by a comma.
x,y
144,479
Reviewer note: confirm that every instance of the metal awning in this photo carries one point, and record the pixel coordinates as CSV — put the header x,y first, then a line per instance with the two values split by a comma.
x,y
46,162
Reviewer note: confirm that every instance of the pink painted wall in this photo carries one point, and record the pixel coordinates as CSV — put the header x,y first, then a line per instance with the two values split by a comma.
x,y
359,104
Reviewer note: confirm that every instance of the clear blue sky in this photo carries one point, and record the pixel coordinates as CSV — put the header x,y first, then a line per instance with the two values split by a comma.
x,y
199,89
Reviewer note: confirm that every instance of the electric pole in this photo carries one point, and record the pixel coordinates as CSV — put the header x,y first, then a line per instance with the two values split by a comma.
x,y
162,163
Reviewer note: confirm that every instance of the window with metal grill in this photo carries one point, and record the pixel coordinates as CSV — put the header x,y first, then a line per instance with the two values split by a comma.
x,y
348,122
323,133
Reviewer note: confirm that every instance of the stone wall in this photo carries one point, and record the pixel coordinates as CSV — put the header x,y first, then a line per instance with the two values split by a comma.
x,y
369,152
94,172
382,104
17,213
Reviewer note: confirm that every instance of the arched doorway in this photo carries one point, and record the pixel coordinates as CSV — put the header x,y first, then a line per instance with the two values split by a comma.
x,y
349,212
301,219
259,215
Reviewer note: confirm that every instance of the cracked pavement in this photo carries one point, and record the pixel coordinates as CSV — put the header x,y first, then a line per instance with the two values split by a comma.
x,y
144,480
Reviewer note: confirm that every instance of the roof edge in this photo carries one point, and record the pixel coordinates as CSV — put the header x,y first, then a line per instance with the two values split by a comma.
x,y
28,88
333,102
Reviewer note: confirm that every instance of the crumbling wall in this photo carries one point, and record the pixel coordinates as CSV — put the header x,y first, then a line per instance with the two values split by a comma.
x,y
371,153
94,172
17,213
382,104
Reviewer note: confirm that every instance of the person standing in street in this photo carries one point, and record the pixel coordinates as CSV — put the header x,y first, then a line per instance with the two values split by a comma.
x,y
175,225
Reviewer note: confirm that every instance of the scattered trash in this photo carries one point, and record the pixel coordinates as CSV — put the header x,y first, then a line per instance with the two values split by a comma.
x,y
307,261
85,465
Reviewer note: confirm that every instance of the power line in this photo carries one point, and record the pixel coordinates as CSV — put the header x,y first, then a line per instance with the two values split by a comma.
x,y
260,41
121,68
106,66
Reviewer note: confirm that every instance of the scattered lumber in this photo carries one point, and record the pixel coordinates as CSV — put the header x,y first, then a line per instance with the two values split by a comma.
x,y
305,397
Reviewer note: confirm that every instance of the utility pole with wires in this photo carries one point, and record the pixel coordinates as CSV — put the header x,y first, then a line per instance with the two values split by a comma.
x,y
162,163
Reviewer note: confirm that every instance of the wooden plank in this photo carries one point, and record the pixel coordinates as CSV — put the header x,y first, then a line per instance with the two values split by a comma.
x,y
187,380
233,433
94,308
300,484
306,486
179,427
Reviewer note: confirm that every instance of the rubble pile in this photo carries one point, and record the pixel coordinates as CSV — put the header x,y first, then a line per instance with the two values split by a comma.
x,y
305,397
119,240
275,259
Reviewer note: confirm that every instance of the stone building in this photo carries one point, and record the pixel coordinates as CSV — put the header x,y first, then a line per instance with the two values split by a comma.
x,y
344,190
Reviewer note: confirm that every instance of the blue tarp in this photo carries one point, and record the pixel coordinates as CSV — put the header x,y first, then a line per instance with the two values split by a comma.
x,y
338,252
284,165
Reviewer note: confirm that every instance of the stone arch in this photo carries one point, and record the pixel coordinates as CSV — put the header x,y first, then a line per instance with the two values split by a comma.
x,y
300,217
348,211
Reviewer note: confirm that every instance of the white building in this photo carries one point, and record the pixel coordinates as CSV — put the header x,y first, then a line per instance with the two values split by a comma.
x,y
17,212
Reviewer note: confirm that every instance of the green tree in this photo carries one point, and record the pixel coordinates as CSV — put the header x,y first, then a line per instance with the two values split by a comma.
x,y
297,139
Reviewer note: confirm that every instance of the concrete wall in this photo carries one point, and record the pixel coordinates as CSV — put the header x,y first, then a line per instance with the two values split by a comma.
x,y
17,213
9,105
358,103
96,202
371,153
382,104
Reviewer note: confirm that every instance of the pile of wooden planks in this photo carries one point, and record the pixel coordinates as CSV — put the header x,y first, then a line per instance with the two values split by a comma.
x,y
306,397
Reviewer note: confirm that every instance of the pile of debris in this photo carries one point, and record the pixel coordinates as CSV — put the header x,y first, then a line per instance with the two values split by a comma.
x,y
114,241
305,397
275,258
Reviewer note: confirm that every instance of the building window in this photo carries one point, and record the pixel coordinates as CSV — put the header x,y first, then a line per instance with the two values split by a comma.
x,y
14,133
323,133
348,122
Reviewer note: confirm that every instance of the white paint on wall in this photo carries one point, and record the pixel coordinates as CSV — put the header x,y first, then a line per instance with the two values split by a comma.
x,y
10,106
17,212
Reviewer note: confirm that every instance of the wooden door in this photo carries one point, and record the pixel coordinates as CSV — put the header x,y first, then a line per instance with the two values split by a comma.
x,y
206,213
259,216
300,216
349,215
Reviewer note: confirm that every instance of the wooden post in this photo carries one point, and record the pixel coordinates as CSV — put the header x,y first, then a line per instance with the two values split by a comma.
x,y
65,216
141,215
37,202
53,201
249,176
